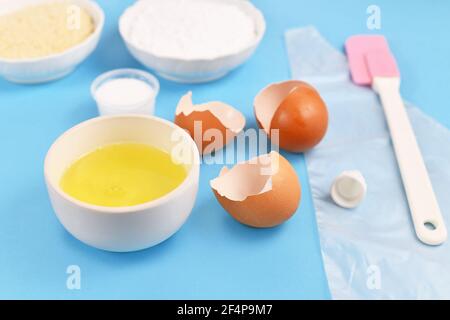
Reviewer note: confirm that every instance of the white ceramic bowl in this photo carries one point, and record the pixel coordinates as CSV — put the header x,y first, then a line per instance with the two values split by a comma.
x,y
131,228
55,66
196,70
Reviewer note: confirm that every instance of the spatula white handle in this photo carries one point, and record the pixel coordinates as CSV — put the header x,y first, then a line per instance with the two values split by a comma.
x,y
426,215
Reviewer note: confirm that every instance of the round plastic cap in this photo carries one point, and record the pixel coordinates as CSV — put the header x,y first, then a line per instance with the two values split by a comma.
x,y
349,189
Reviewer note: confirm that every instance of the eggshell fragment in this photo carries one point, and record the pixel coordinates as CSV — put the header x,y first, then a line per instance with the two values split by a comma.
x,y
296,110
262,192
212,125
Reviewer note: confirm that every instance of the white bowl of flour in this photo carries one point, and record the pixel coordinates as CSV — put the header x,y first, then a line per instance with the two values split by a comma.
x,y
192,41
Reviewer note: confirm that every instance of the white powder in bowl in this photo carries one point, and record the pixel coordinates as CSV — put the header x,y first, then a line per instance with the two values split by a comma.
x,y
124,93
189,29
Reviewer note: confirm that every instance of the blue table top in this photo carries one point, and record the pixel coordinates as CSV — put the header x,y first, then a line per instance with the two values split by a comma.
x,y
212,256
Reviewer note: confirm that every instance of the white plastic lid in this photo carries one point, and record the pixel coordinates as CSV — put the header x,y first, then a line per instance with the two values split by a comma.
x,y
349,189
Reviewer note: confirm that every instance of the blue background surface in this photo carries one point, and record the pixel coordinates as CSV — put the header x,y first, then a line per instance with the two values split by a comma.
x,y
212,256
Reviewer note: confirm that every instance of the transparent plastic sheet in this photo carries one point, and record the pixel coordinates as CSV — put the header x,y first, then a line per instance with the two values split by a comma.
x,y
370,252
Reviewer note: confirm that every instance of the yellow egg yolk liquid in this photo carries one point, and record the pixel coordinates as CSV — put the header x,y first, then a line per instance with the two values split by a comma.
x,y
123,174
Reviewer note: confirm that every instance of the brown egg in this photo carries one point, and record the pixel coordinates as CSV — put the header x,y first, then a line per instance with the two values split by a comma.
x,y
212,125
262,192
296,110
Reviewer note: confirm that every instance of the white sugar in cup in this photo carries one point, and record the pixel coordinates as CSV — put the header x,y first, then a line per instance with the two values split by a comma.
x,y
124,94
125,91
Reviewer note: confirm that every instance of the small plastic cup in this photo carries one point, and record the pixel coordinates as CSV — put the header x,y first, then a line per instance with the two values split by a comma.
x,y
146,106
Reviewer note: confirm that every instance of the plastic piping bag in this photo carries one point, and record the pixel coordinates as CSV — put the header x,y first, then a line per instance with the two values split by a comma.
x,y
370,252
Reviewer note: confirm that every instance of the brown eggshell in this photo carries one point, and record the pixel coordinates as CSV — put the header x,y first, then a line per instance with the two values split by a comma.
x,y
217,123
302,119
272,199
296,110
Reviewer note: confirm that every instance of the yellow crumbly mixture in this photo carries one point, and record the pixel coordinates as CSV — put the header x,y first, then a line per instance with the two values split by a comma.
x,y
41,30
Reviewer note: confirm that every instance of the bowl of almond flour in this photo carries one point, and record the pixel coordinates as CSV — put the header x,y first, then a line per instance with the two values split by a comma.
x,y
44,40
192,41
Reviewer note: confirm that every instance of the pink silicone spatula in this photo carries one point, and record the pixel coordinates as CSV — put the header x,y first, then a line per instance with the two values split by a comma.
x,y
371,63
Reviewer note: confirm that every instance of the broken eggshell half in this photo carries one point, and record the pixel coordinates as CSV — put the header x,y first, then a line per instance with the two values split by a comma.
x,y
212,125
296,110
262,192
